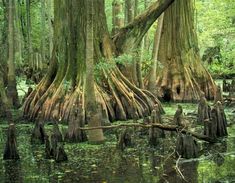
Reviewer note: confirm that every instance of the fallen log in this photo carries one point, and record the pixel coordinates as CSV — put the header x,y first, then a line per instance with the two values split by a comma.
x,y
155,125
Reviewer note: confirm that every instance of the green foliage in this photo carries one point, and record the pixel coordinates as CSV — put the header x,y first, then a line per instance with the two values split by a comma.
x,y
104,65
216,27
124,59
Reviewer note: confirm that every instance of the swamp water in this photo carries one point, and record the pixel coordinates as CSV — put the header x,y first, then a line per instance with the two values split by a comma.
x,y
104,163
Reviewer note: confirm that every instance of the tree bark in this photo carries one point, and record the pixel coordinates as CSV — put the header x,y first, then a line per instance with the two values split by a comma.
x,y
43,27
129,11
4,40
153,69
139,52
182,77
92,112
50,28
4,102
117,20
11,87
29,41
146,37
18,36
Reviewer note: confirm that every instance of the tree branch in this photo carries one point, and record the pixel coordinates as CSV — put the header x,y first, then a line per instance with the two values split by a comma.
x,y
129,37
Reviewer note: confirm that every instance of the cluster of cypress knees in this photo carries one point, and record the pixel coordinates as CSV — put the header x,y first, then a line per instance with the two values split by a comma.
x,y
213,119
54,146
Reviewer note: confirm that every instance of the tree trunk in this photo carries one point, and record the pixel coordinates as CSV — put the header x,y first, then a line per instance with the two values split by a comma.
x,y
146,37
117,20
129,11
50,28
62,89
153,70
11,87
4,39
43,27
129,69
139,53
18,36
183,76
129,38
92,112
29,41
4,105
4,102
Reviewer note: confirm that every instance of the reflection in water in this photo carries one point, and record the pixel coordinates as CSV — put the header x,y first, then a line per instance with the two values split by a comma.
x,y
217,151
104,163
188,170
155,162
13,172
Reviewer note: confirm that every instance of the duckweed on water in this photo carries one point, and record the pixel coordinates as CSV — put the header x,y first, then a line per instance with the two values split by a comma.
x,y
104,163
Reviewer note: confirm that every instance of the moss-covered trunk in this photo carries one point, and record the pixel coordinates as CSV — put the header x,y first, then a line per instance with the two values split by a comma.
x,y
182,76
62,89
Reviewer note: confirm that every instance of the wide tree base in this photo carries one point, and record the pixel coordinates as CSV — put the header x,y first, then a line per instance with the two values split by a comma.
x,y
184,84
117,98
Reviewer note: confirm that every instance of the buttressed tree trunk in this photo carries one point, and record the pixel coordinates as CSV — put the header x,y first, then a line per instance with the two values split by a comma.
x,y
183,76
62,89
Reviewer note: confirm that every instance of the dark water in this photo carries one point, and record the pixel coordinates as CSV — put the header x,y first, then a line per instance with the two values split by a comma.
x,y
101,164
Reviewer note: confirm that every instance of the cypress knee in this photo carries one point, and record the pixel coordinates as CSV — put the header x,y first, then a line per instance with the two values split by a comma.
x,y
203,110
124,140
38,133
186,146
57,132
11,151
